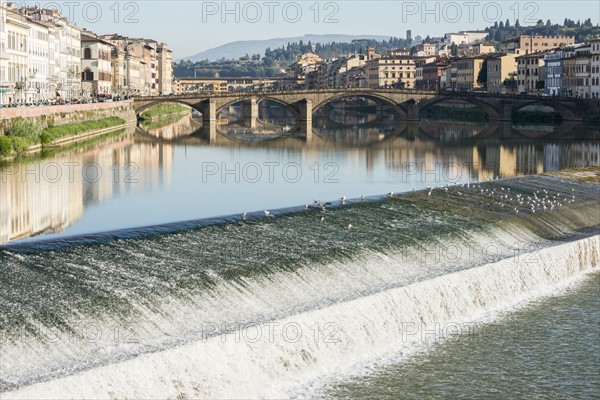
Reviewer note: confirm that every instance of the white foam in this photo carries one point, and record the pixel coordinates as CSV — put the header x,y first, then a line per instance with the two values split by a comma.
x,y
275,364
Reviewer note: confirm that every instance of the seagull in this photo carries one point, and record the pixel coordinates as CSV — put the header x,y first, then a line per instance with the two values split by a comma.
x,y
267,213
349,226
343,199
390,194
306,206
429,194
322,219
362,198
244,215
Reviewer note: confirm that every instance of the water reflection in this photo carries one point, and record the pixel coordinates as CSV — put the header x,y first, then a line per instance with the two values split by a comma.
x,y
180,171
47,196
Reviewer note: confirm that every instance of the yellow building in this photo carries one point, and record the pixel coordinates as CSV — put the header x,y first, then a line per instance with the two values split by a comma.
x,y
530,72
388,71
500,68
467,72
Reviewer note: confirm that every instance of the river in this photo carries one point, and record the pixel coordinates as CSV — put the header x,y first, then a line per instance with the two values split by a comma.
x,y
128,270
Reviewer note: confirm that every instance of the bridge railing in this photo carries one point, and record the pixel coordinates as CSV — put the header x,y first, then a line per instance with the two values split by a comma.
x,y
445,93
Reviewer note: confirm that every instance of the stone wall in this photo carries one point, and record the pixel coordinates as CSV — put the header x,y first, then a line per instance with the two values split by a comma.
x,y
68,114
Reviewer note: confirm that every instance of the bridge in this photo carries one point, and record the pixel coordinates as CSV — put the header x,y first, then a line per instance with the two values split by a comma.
x,y
408,104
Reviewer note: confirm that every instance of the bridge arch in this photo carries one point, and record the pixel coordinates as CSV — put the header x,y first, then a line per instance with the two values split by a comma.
x,y
491,111
151,103
566,112
398,108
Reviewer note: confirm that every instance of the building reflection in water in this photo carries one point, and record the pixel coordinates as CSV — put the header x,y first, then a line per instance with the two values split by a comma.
x,y
47,196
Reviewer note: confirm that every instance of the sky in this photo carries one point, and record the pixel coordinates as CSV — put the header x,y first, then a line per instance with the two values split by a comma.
x,y
189,27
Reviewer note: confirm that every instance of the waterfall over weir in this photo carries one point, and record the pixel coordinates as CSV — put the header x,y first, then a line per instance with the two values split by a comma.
x,y
267,308
270,359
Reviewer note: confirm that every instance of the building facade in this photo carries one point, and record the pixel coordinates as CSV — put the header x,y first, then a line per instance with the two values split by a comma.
x,y
595,67
500,69
530,73
96,65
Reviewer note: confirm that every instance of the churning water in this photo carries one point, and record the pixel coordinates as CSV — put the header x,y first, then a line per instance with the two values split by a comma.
x,y
303,303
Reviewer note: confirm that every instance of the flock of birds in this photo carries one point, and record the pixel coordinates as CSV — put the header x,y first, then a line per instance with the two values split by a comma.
x,y
540,200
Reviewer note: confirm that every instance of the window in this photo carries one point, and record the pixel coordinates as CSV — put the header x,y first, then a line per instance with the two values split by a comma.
x,y
87,53
87,75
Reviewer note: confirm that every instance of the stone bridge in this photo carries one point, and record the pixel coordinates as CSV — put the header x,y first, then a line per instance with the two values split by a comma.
x,y
407,103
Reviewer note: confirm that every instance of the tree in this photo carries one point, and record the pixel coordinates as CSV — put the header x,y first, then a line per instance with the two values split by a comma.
x,y
507,23
548,23
482,76
496,25
517,24
501,25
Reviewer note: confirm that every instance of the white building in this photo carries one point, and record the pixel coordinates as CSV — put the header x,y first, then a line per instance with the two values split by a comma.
x,y
16,31
595,74
37,62
96,66
554,74
465,37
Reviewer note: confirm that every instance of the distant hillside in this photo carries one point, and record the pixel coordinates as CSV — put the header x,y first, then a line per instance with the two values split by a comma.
x,y
235,50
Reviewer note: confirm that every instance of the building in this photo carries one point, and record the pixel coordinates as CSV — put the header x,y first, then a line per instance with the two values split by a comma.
x,y
468,70
38,61
16,31
425,49
595,67
420,62
465,37
432,76
501,69
4,84
306,63
388,71
530,72
553,61
583,72
535,43
64,53
133,73
165,69
482,48
96,66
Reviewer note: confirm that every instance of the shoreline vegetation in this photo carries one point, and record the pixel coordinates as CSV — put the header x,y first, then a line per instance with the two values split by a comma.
x,y
163,110
25,136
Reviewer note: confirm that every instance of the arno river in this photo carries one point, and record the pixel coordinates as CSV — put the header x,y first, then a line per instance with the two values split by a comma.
x,y
174,173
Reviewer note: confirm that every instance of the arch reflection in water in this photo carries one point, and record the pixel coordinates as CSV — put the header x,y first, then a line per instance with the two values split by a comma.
x,y
357,120
257,119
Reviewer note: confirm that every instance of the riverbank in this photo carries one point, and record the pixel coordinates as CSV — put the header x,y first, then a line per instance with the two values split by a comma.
x,y
37,140
163,111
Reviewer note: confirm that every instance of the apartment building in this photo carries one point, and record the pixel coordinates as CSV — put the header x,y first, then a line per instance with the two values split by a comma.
x,y
500,69
595,68
530,72
96,65
16,32
388,71
165,69
468,70
38,56
583,72
535,43
553,61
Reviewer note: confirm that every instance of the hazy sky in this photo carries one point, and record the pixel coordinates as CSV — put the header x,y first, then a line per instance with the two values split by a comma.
x,y
193,26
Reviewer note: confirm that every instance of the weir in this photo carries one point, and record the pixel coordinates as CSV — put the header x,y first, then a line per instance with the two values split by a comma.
x,y
291,313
